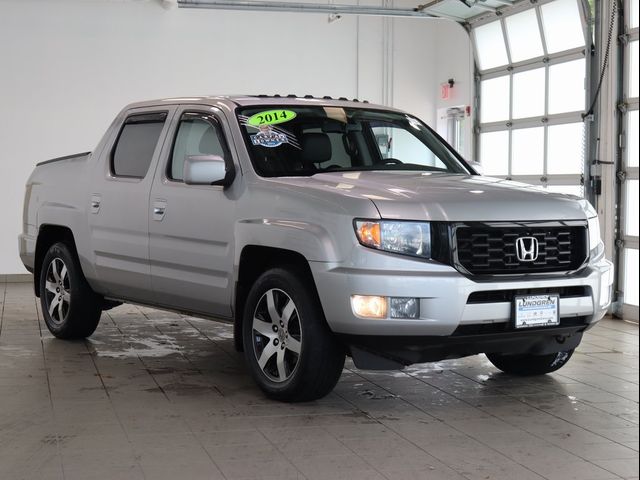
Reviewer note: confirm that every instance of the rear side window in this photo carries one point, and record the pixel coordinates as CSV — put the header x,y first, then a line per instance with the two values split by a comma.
x,y
198,134
136,143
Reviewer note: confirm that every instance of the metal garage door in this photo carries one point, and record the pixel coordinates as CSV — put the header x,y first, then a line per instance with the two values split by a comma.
x,y
628,274
531,93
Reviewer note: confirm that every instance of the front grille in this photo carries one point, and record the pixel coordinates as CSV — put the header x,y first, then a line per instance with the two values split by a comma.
x,y
490,248
504,296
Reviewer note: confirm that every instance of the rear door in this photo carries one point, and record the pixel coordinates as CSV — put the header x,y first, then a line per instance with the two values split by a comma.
x,y
119,203
191,226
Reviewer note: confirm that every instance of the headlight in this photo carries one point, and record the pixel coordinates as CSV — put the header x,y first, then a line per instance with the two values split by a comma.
x,y
594,233
407,238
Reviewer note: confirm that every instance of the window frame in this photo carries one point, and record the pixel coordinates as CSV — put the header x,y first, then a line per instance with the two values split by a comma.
x,y
161,117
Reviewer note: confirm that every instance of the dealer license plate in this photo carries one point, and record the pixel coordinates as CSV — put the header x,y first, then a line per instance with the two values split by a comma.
x,y
537,311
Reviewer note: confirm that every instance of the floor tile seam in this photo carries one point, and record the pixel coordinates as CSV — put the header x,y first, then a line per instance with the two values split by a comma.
x,y
555,416
367,462
628,326
586,382
214,342
415,444
106,389
181,353
612,363
597,337
286,457
164,393
452,426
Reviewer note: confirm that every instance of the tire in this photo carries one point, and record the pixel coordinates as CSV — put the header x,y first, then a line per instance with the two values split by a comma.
x,y
70,308
291,353
530,364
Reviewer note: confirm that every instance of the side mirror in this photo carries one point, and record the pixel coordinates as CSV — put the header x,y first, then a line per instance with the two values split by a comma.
x,y
477,166
206,170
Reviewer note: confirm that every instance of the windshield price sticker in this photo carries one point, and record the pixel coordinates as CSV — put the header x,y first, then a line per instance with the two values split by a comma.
x,y
537,311
271,117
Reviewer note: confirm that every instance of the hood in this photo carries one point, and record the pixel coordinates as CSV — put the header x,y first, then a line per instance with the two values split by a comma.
x,y
444,197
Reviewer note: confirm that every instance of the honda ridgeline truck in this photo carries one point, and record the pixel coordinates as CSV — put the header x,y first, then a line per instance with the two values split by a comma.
x,y
319,228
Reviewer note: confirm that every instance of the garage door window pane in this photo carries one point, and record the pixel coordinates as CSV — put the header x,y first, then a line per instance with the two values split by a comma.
x,y
631,212
562,25
566,87
494,153
527,151
565,144
631,276
633,69
495,99
523,36
490,46
632,138
528,93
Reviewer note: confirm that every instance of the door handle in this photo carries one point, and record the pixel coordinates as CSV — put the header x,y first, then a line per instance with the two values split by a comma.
x,y
95,203
159,209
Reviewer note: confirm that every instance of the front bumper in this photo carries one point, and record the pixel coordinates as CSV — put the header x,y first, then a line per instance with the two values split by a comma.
x,y
374,352
444,295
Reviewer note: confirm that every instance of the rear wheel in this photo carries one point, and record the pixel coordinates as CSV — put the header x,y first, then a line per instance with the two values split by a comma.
x,y
69,307
530,364
292,354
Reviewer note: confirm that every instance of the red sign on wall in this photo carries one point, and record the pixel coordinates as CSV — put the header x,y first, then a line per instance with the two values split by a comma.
x,y
444,91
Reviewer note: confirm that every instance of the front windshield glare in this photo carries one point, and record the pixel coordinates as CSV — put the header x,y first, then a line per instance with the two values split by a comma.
x,y
303,141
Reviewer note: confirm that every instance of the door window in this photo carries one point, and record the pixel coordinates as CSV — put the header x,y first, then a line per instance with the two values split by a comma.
x,y
136,145
197,134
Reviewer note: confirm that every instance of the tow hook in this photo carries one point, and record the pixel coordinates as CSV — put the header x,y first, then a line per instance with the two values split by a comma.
x,y
561,339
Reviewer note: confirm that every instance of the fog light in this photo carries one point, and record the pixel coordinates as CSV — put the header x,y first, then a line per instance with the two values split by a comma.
x,y
404,307
369,306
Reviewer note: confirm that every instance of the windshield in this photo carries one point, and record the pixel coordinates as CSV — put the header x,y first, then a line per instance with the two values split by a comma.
x,y
292,140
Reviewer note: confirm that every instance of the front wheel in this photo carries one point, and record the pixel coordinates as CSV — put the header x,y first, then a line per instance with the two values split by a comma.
x,y
70,308
292,354
530,364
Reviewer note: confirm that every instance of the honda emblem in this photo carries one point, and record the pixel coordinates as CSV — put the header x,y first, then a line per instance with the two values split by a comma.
x,y
527,249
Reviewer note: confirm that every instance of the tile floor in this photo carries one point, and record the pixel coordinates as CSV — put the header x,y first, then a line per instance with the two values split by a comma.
x,y
161,396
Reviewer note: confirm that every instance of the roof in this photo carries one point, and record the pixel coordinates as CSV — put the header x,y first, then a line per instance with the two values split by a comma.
x,y
250,100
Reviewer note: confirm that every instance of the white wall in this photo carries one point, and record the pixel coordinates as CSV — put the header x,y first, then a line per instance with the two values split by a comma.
x,y
68,66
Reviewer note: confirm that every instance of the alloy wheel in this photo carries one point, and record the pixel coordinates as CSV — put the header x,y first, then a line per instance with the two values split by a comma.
x,y
277,335
57,290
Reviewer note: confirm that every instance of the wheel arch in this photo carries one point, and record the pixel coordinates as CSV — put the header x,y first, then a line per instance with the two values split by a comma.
x,y
254,260
49,234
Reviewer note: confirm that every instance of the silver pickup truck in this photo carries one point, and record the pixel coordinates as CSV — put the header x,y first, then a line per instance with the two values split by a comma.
x,y
320,228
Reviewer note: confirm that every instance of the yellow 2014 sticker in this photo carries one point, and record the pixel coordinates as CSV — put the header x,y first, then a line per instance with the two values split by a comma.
x,y
271,117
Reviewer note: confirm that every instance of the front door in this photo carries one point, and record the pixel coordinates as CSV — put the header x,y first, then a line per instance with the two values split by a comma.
x,y
191,226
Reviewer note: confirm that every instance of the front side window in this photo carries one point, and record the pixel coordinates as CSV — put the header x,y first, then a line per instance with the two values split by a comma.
x,y
303,141
198,134
396,142
136,144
